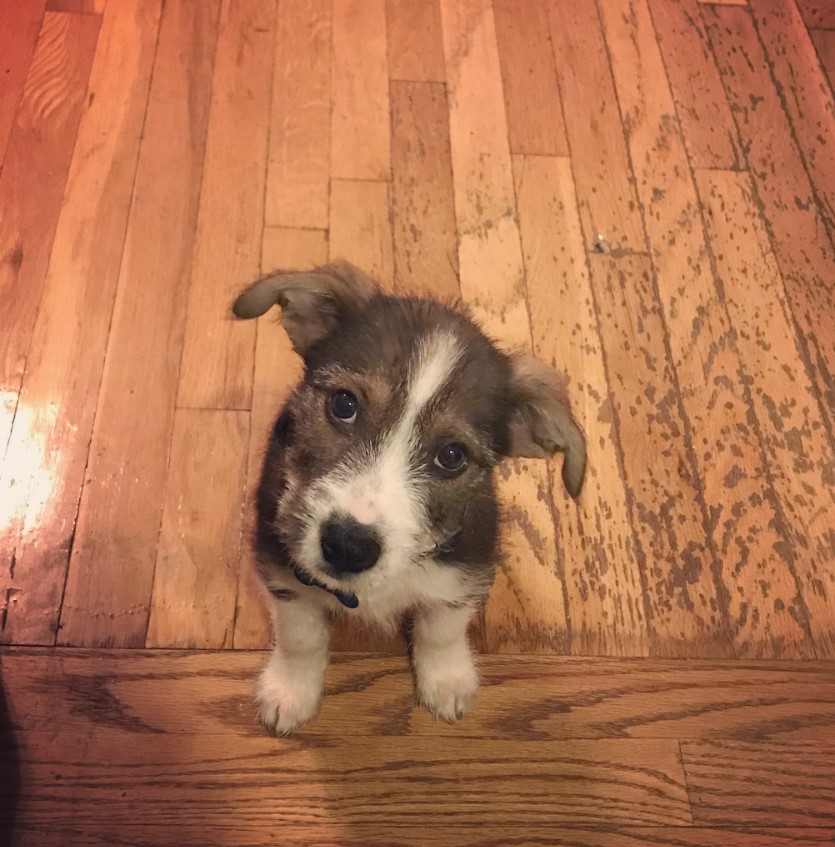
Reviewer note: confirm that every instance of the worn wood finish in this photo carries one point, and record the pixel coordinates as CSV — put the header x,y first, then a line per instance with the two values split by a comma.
x,y
702,108
727,454
415,43
32,179
824,40
119,518
785,193
300,132
77,7
41,480
800,462
605,188
804,94
18,38
817,13
216,370
422,201
196,573
602,575
360,130
532,99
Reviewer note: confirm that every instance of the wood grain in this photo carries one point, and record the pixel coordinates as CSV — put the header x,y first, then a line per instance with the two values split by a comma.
x,y
800,458
522,697
300,131
114,549
39,492
422,195
817,13
739,783
804,253
526,611
702,108
77,7
360,131
824,40
18,38
532,99
360,227
216,371
665,504
745,526
605,187
33,177
197,563
277,369
602,575
805,94
415,43
250,834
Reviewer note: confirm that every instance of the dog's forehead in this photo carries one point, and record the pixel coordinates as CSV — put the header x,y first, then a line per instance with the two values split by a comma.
x,y
393,337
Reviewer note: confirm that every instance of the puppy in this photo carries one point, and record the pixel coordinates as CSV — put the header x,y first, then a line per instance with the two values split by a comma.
x,y
377,497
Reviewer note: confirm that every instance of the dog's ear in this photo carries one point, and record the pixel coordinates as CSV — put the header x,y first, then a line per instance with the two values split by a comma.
x,y
541,423
312,302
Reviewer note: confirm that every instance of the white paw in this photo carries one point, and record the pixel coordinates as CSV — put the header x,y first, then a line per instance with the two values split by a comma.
x,y
288,695
447,683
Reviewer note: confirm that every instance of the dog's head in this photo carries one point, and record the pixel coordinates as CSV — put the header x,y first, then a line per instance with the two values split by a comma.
x,y
388,444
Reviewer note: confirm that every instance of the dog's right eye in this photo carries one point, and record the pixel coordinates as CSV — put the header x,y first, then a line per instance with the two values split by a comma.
x,y
344,406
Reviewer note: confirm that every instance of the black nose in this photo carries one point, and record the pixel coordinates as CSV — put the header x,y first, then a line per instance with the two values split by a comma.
x,y
348,545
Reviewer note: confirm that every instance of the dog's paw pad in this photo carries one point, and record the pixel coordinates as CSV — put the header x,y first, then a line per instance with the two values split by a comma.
x,y
286,699
448,691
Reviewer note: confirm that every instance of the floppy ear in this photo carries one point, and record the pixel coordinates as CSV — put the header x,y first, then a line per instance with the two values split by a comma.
x,y
312,302
542,423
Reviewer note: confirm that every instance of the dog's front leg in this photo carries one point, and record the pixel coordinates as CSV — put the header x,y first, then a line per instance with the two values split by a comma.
x,y
445,672
290,685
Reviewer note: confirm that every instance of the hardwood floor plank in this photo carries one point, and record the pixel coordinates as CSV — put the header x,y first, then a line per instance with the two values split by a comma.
x,y
824,40
415,42
707,124
300,130
602,574
197,564
602,171
33,177
532,99
783,193
77,7
423,201
804,93
218,355
18,39
740,783
818,13
685,614
115,544
522,697
526,610
277,369
39,493
755,569
360,128
251,834
360,227
800,456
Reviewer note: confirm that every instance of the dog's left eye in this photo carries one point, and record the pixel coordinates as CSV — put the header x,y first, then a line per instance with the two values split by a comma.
x,y
344,406
451,458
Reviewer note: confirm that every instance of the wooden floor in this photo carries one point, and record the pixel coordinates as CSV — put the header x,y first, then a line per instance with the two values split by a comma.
x,y
643,191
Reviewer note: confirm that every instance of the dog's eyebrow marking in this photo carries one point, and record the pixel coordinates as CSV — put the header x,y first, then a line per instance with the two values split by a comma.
x,y
436,359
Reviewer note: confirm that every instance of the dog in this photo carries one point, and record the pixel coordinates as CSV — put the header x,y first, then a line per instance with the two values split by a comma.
x,y
377,498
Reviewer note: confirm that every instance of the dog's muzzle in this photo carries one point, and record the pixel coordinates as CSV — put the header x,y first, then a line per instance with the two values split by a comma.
x,y
349,546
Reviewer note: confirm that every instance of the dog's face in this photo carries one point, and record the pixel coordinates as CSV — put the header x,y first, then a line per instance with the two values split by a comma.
x,y
388,444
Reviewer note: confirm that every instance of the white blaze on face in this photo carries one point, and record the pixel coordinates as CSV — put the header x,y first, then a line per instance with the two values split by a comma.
x,y
380,488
